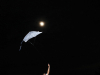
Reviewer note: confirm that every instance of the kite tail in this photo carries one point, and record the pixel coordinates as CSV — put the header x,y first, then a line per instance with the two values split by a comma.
x,y
21,46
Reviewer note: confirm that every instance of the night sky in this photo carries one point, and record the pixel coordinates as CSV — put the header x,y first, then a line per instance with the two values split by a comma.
x,y
69,42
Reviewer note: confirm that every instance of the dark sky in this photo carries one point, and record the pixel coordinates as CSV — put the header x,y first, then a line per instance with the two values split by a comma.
x,y
70,38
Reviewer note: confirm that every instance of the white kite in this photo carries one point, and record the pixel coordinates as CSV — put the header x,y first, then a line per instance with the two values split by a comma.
x,y
30,35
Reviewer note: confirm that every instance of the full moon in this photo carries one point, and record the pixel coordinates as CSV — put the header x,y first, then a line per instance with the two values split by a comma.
x,y
41,24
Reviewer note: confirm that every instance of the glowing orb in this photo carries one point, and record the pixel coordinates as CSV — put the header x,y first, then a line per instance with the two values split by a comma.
x,y
41,23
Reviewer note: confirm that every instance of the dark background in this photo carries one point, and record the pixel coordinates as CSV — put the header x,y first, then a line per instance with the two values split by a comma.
x,y
69,42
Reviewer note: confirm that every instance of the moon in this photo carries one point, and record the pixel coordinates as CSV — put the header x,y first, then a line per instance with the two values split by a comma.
x,y
41,23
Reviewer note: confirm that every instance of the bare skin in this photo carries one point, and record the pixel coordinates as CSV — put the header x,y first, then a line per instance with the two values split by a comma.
x,y
48,71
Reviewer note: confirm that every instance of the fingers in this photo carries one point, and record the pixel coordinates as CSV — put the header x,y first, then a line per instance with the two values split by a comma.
x,y
48,64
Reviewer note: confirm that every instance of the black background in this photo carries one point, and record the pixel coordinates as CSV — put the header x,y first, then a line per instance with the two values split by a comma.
x,y
69,42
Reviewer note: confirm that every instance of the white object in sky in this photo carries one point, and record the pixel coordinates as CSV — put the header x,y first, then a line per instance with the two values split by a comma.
x,y
30,35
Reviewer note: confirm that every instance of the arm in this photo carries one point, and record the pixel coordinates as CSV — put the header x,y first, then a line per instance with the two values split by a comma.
x,y
48,71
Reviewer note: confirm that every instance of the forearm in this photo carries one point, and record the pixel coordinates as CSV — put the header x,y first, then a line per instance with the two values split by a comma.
x,y
48,70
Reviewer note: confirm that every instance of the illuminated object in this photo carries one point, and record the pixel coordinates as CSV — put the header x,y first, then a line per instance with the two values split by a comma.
x,y
41,23
30,35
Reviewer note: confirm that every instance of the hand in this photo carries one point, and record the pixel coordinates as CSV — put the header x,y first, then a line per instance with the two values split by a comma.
x,y
48,65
